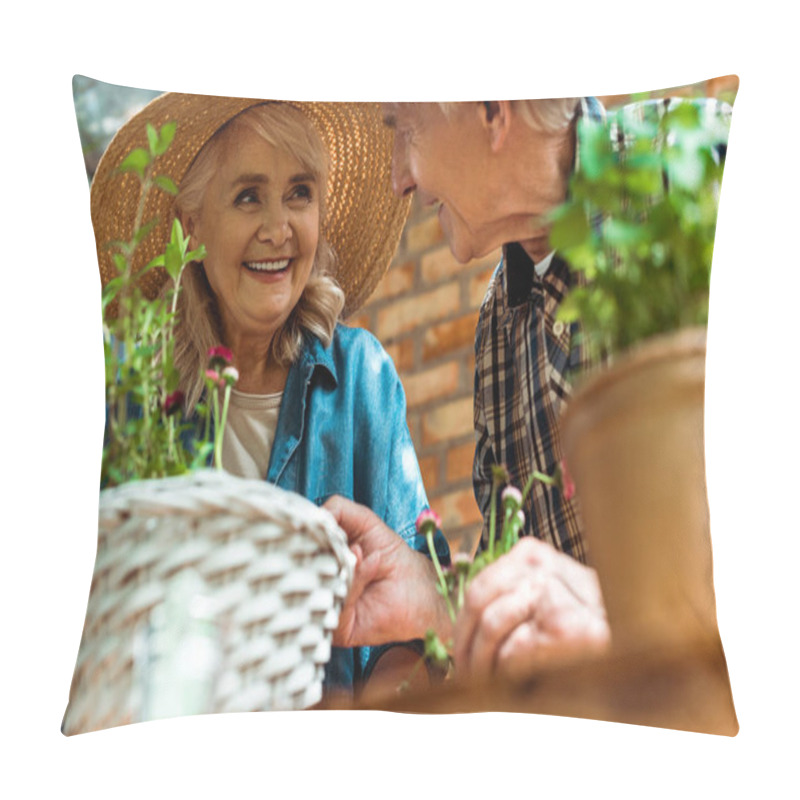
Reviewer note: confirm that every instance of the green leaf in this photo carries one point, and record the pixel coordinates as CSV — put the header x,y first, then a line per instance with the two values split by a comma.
x,y
571,228
140,234
111,289
165,137
136,161
166,183
152,139
120,262
196,255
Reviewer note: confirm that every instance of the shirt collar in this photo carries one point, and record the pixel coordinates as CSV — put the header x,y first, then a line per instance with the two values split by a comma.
x,y
316,354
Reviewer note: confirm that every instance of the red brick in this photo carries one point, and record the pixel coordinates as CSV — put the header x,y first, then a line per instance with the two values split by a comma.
x,y
440,265
448,421
446,337
457,508
464,540
412,312
459,462
430,384
424,234
402,353
397,280
429,467
478,284
360,321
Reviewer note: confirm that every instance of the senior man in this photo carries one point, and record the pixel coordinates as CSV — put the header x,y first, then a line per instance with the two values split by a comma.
x,y
494,170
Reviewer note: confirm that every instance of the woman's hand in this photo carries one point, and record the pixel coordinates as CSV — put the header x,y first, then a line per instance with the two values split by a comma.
x,y
393,596
533,605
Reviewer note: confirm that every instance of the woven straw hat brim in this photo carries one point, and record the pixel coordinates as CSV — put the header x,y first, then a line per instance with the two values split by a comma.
x,y
364,219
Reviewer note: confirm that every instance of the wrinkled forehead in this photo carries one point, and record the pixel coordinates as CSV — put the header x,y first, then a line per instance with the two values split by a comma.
x,y
407,114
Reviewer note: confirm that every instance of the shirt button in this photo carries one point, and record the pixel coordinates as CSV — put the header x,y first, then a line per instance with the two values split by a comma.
x,y
558,327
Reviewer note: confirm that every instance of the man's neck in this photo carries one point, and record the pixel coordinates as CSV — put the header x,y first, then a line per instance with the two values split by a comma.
x,y
545,178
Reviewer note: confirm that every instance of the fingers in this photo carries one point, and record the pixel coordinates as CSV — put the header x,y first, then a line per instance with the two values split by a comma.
x,y
352,518
494,581
532,604
499,621
557,633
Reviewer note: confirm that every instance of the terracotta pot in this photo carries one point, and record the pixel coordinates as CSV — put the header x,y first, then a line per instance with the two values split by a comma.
x,y
633,441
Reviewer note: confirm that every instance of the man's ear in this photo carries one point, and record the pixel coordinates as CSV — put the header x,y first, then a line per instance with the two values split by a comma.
x,y
496,119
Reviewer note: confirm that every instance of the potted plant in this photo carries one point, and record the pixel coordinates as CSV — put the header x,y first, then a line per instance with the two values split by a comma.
x,y
638,228
210,592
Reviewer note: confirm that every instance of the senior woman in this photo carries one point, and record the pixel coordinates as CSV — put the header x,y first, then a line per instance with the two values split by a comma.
x,y
318,407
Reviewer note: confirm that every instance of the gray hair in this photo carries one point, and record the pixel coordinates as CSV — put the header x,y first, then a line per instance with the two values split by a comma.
x,y
199,325
548,116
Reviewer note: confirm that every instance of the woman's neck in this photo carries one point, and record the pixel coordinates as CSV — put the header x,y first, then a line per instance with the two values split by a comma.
x,y
259,373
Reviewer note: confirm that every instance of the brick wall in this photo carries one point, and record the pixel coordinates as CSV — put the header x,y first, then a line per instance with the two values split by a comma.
x,y
424,312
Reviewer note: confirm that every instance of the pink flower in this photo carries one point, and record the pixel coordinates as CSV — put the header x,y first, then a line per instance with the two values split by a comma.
x,y
229,376
220,352
173,403
428,520
461,562
512,497
212,375
565,480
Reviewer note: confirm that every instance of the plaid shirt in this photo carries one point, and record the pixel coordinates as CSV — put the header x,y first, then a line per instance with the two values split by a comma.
x,y
523,358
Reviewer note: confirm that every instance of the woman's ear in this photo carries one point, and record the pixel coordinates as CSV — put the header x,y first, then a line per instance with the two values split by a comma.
x,y
187,223
496,119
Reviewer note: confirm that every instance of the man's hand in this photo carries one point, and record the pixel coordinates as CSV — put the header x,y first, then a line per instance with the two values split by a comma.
x,y
533,605
393,596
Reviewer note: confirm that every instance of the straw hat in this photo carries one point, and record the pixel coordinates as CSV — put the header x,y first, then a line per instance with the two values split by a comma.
x,y
364,219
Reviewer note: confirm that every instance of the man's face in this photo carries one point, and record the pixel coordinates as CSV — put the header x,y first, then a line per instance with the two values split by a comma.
x,y
445,160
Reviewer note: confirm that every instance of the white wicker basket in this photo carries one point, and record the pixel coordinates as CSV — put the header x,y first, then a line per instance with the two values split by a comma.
x,y
210,593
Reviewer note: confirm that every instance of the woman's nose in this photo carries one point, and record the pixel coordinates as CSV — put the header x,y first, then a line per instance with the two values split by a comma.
x,y
275,227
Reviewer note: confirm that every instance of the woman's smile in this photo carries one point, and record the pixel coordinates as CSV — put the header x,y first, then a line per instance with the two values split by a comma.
x,y
259,222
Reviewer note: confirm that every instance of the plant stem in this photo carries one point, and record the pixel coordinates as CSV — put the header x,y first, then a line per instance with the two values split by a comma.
x,y
492,515
442,580
217,436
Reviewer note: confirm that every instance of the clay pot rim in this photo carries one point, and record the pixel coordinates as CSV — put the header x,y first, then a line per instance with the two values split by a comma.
x,y
662,347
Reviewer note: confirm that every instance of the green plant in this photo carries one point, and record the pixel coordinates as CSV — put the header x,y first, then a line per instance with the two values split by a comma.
x,y
639,225
452,582
143,404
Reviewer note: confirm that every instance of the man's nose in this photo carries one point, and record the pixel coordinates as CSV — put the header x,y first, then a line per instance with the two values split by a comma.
x,y
402,180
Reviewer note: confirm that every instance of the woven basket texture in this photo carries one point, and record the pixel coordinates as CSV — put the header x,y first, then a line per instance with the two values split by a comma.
x,y
268,568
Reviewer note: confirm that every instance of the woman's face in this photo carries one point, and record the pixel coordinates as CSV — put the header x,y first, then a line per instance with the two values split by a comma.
x,y
259,221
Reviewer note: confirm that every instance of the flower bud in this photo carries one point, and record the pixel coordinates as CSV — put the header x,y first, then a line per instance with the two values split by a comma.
x,y
512,497
564,480
173,403
461,563
219,357
229,376
428,520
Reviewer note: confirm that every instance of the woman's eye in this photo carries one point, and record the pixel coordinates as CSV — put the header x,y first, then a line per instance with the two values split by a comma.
x,y
246,197
302,192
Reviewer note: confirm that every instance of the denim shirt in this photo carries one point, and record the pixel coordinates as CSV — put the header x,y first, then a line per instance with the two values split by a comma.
x,y
342,430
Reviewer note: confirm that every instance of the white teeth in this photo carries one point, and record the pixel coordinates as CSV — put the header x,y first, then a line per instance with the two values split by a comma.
x,y
267,266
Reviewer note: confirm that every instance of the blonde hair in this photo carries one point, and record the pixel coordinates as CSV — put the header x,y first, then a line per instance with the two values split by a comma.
x,y
548,116
199,324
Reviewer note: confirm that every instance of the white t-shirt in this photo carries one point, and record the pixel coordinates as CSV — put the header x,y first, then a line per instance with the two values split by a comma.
x,y
249,433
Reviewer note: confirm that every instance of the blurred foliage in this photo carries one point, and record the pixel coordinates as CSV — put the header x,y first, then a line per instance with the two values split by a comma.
x,y
640,223
143,438
101,109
